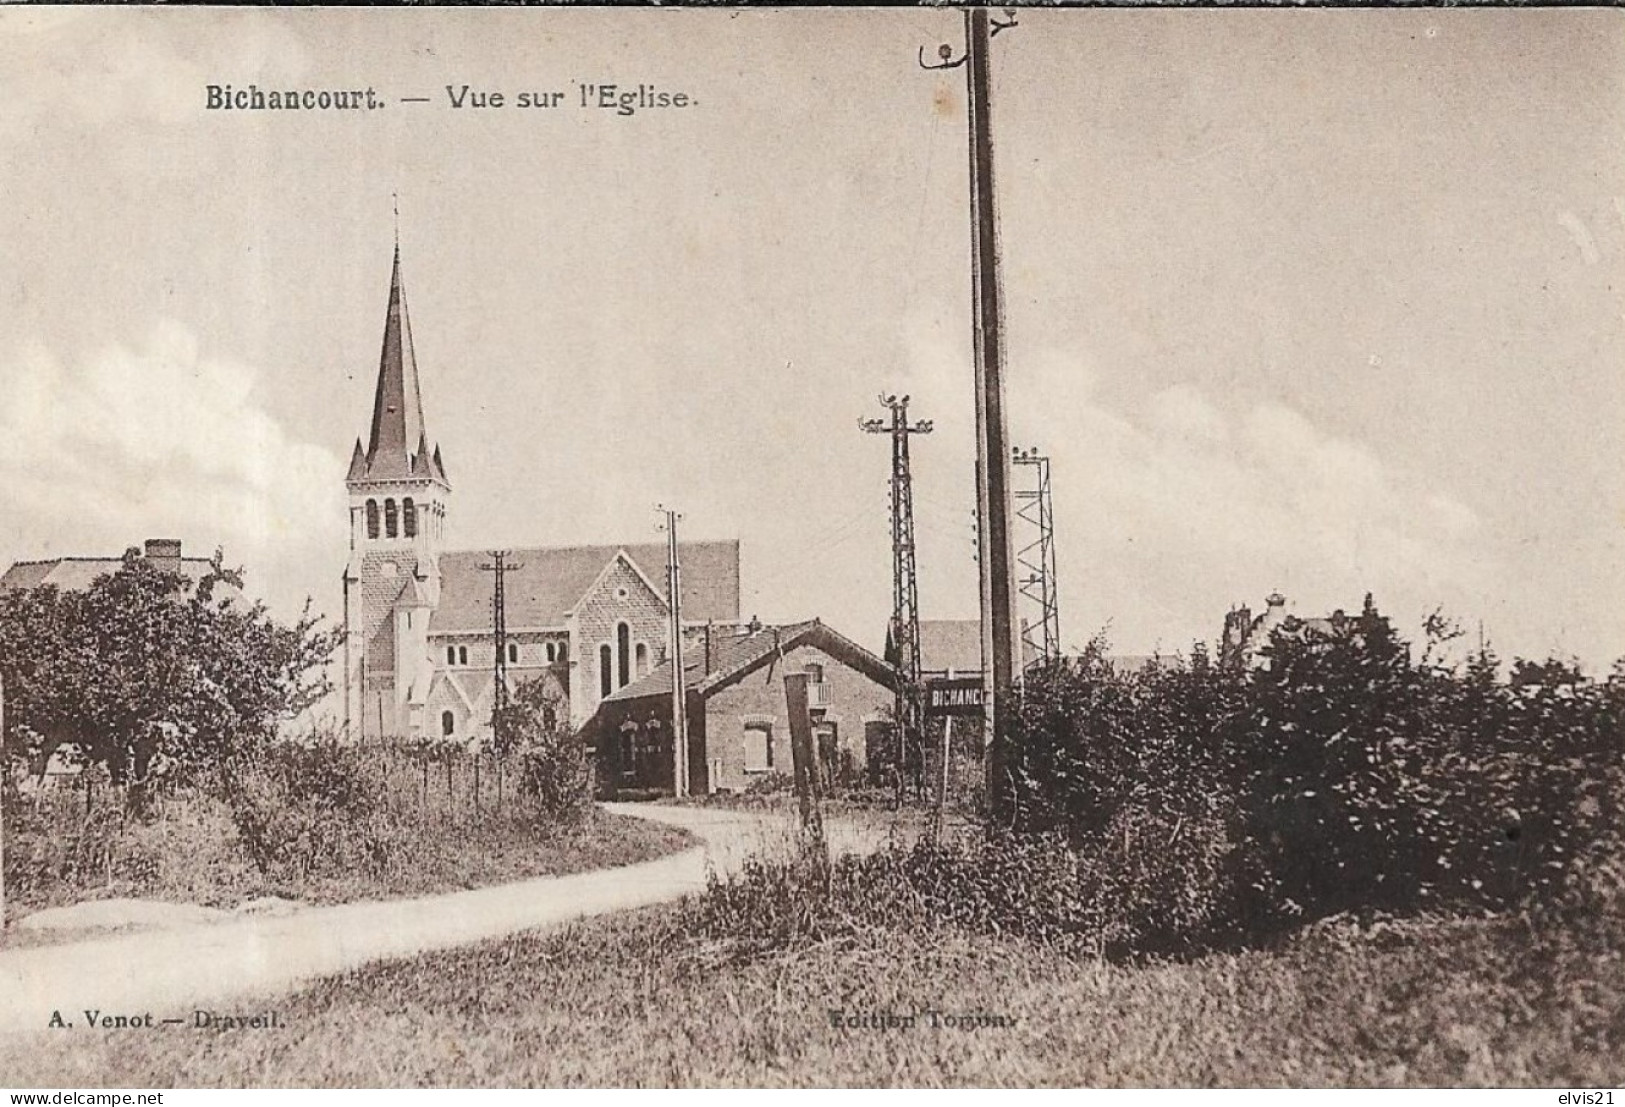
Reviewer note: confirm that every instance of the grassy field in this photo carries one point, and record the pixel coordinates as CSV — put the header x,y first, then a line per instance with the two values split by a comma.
x,y
634,1000
191,855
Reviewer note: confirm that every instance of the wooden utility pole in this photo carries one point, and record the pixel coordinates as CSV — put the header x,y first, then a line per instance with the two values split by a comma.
x,y
992,437
679,688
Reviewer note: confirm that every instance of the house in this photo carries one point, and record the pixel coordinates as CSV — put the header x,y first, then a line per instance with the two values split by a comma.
x,y
1245,635
75,574
58,762
420,653
738,721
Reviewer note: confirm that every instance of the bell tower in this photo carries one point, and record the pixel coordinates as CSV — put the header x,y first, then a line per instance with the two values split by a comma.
x,y
398,493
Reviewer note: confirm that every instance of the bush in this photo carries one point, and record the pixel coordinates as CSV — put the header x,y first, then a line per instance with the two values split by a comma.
x,y
306,809
1343,775
770,784
555,771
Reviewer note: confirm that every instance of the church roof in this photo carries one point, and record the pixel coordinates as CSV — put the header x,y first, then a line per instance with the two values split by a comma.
x,y
397,448
554,579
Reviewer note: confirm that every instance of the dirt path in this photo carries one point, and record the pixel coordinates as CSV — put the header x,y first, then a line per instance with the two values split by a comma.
x,y
170,973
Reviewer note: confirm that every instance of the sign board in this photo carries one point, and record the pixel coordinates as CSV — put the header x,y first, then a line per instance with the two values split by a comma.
x,y
953,696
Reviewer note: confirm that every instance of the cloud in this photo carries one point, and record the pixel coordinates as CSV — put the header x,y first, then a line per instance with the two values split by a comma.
x,y
156,440
1173,505
132,67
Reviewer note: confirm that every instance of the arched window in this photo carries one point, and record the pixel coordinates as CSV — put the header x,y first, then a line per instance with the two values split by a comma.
x,y
606,662
629,748
448,724
451,655
563,652
623,653
409,518
513,653
643,659
372,518
552,653
391,519
462,655
815,672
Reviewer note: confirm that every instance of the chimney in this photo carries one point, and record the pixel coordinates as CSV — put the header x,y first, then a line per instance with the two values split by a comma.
x,y
164,552
708,647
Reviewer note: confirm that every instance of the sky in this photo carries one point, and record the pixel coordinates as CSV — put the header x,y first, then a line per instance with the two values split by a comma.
x,y
1324,302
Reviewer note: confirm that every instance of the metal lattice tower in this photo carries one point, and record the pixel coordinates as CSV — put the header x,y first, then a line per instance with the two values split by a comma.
x,y
500,567
905,623
1035,560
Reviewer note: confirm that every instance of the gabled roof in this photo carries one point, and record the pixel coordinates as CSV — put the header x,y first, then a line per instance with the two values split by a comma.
x,y
735,656
553,580
76,574
398,445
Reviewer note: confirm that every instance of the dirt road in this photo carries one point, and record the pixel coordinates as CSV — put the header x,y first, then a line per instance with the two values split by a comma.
x,y
170,973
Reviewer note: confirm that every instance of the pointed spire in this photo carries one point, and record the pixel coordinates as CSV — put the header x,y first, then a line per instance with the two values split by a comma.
x,y
397,411
440,466
358,463
422,464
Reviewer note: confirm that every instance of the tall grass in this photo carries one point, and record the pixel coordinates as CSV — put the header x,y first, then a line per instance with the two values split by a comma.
x,y
320,822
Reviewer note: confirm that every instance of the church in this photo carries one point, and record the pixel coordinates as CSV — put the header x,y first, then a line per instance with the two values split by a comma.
x,y
420,646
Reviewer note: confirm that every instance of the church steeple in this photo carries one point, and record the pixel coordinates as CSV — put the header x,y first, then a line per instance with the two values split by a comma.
x,y
398,496
398,444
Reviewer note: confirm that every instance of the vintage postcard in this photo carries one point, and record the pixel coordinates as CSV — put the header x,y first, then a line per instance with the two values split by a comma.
x,y
811,547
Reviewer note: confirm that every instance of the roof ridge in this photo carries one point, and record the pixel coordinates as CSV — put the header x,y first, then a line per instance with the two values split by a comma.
x,y
613,547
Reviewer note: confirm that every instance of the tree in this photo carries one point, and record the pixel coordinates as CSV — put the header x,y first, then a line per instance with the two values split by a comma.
x,y
555,772
145,670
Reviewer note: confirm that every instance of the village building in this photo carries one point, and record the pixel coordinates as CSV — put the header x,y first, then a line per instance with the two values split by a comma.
x,y
420,648
55,763
1245,635
75,574
738,718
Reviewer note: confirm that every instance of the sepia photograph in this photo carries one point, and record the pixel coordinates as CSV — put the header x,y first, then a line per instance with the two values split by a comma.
x,y
940,547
